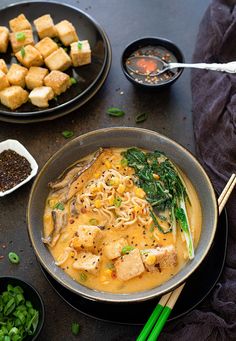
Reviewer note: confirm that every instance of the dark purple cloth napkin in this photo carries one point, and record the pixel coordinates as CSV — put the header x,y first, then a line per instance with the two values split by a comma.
x,y
214,117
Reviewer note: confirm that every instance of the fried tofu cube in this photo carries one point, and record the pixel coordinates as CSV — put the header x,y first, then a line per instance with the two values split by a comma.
x,y
19,23
45,26
58,81
16,75
35,77
159,258
80,53
13,97
20,39
113,249
129,266
66,32
4,38
46,47
4,83
3,66
41,95
86,237
29,56
58,60
88,262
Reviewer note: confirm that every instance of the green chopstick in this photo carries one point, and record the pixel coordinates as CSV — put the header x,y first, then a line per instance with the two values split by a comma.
x,y
152,319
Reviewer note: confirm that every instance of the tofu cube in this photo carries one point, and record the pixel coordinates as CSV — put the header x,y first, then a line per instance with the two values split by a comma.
x,y
46,47
4,38
88,262
86,237
41,95
3,66
19,23
66,32
129,266
58,81
16,75
35,77
80,53
20,39
58,60
3,81
159,258
45,26
113,249
29,57
13,97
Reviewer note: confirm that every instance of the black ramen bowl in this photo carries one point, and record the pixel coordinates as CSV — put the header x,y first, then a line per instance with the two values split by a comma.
x,y
121,137
172,48
30,294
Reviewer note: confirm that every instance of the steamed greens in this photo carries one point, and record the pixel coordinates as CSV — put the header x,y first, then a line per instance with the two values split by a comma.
x,y
165,191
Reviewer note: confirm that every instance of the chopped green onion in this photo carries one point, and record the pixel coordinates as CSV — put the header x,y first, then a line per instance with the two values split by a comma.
x,y
93,222
83,277
75,328
67,134
126,249
141,118
124,162
13,258
22,52
59,206
20,36
117,201
116,112
73,80
80,45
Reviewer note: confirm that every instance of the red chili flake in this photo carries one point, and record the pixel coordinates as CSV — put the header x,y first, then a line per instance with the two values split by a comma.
x,y
113,275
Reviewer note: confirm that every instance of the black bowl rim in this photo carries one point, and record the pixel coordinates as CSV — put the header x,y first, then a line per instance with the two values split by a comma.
x,y
159,40
35,291
105,40
136,296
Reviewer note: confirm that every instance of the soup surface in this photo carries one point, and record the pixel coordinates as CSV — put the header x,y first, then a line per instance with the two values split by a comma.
x,y
122,220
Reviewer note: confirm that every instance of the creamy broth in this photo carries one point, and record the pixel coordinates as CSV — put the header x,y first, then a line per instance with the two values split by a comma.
x,y
138,235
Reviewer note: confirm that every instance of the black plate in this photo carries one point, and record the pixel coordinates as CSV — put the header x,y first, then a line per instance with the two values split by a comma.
x,y
69,108
201,282
86,27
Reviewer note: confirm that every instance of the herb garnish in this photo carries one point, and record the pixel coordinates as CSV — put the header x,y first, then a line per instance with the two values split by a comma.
x,y
67,134
75,328
13,258
116,112
117,201
141,118
20,36
80,45
126,249
59,206
22,52
83,277
73,80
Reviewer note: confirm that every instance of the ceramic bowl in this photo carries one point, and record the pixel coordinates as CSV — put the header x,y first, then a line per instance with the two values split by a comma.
x,y
121,137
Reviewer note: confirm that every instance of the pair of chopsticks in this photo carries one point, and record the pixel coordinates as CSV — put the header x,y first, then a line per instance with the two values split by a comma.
x,y
160,314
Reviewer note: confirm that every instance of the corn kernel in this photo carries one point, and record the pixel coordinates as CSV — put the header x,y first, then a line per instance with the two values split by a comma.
x,y
151,259
111,200
97,175
140,193
108,272
107,164
98,203
137,209
156,176
121,188
52,203
114,181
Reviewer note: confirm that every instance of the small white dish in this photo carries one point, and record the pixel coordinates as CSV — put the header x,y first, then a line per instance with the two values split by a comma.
x,y
21,150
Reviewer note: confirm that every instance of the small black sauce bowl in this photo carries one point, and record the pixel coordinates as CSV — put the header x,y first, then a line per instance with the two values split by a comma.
x,y
30,294
142,42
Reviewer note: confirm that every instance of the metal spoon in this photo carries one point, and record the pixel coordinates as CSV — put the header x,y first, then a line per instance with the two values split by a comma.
x,y
224,67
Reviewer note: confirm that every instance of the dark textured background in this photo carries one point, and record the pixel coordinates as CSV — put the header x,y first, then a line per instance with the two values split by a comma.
x,y
169,113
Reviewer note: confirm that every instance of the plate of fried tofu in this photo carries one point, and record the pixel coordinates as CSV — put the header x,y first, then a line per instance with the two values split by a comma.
x,y
52,56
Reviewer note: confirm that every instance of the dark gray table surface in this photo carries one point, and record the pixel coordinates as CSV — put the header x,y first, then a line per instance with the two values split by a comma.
x,y
169,113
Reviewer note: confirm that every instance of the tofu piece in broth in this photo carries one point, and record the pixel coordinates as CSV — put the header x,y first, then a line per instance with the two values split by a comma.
x,y
58,81
13,97
45,26
129,266
88,262
40,96
66,32
159,258
87,237
113,249
4,39
16,75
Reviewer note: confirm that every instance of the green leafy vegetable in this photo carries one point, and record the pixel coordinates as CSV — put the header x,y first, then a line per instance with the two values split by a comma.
x,y
154,218
14,258
116,112
83,277
141,118
22,52
80,45
20,36
126,249
183,220
117,201
124,162
59,206
73,80
75,328
67,134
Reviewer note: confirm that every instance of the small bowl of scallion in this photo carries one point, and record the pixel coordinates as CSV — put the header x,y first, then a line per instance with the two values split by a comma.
x,y
21,310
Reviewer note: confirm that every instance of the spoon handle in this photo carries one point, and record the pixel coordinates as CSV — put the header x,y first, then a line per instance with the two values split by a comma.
x,y
224,67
